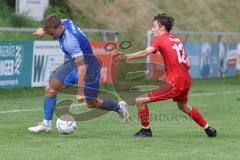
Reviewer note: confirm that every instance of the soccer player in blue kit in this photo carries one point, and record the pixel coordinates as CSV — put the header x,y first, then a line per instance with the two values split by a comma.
x,y
81,68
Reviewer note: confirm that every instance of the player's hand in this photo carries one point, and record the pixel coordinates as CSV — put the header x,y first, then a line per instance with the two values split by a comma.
x,y
39,33
80,98
188,63
117,59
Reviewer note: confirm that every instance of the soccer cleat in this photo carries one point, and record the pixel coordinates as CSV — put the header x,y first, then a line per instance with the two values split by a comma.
x,y
143,133
123,112
211,132
41,127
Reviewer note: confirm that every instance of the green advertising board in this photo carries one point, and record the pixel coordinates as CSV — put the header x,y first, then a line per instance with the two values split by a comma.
x,y
15,63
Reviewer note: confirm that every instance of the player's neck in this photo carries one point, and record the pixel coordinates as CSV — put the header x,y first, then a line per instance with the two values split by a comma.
x,y
162,33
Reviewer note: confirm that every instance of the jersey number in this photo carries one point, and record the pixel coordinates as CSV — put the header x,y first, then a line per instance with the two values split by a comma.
x,y
180,52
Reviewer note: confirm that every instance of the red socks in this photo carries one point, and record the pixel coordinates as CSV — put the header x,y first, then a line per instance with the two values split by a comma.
x,y
143,115
198,118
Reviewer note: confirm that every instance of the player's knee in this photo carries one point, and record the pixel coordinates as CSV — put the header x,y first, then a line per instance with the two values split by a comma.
x,y
50,92
92,104
183,108
52,82
138,101
55,84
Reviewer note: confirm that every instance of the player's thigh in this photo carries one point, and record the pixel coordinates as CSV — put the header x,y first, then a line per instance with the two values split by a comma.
x,y
182,101
62,73
71,78
166,91
182,96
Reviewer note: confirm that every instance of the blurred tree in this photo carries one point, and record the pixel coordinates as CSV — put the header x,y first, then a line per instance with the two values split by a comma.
x,y
59,8
58,3
11,3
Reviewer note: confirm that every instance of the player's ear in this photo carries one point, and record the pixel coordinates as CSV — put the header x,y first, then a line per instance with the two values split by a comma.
x,y
162,28
61,27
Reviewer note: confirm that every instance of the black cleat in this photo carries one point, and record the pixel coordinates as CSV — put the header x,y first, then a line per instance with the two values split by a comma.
x,y
211,132
143,133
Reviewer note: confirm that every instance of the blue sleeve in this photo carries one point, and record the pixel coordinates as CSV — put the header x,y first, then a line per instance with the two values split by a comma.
x,y
76,48
80,36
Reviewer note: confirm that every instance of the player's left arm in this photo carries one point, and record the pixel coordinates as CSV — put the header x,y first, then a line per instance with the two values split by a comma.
x,y
188,62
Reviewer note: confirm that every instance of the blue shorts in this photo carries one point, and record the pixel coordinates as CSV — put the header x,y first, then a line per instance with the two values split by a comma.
x,y
68,75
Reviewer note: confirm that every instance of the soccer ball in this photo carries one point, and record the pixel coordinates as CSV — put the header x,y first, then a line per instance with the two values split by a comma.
x,y
66,124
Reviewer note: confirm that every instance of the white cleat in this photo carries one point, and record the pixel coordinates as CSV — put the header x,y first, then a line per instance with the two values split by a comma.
x,y
41,127
123,113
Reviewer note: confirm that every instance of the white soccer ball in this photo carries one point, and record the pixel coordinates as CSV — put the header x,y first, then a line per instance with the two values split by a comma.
x,y
66,124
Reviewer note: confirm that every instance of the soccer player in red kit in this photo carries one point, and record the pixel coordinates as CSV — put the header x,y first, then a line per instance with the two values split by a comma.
x,y
177,65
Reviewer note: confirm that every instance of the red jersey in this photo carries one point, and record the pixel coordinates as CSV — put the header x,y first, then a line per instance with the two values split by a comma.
x,y
174,57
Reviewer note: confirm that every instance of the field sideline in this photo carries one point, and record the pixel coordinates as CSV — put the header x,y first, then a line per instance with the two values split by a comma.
x,y
107,138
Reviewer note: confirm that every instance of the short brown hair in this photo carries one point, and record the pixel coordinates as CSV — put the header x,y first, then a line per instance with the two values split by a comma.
x,y
165,21
51,21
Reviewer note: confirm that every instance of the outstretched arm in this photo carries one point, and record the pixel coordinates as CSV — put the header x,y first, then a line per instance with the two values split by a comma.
x,y
140,54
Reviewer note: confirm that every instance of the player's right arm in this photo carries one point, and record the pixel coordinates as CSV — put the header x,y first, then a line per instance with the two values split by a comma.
x,y
81,75
39,33
140,54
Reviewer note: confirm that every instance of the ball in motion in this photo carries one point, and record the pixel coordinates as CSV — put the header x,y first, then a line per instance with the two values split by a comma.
x,y
66,124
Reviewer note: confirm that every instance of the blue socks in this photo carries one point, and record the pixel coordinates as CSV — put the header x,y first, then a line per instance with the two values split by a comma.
x,y
109,105
49,106
50,103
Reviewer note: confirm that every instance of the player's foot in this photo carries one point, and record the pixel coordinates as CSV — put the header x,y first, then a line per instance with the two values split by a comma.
x,y
211,132
123,113
143,133
41,127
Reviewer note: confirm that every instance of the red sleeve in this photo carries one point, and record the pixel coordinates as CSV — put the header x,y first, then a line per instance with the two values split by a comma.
x,y
155,45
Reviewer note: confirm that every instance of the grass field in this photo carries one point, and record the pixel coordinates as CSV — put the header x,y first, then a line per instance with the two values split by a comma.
x,y
107,138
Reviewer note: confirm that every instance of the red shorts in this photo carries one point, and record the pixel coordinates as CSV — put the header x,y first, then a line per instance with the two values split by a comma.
x,y
166,92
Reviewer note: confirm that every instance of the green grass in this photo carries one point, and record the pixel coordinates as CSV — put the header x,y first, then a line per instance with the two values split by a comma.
x,y
107,138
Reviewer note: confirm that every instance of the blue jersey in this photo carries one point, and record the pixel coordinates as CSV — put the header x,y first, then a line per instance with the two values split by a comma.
x,y
74,43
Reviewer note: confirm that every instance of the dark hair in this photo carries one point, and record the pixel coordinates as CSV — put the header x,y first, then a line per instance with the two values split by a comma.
x,y
165,21
51,21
